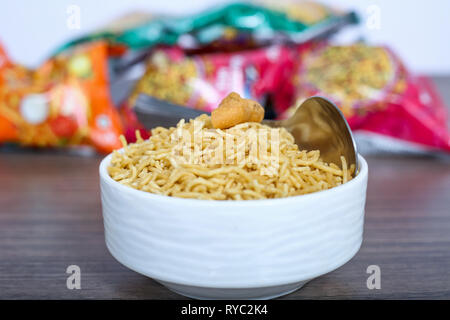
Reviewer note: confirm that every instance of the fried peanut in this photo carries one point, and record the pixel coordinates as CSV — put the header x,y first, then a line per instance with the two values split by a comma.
x,y
234,110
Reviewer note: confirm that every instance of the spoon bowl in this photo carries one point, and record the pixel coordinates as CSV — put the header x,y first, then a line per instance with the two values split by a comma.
x,y
318,124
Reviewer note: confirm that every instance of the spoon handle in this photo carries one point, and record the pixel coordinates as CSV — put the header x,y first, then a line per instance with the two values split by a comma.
x,y
153,112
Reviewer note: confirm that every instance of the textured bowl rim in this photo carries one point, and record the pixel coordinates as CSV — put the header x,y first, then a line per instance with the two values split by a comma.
x,y
105,177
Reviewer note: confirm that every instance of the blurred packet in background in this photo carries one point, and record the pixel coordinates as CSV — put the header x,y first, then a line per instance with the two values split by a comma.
x,y
274,53
307,12
201,81
65,102
230,27
388,109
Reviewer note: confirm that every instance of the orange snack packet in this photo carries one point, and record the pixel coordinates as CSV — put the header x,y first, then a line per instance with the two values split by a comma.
x,y
65,102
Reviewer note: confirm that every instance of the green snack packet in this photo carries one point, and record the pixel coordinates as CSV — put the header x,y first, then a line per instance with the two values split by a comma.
x,y
241,23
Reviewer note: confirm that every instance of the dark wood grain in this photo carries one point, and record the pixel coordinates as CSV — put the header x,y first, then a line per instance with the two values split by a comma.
x,y
50,217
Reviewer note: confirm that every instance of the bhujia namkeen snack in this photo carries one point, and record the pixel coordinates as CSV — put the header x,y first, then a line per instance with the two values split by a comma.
x,y
246,161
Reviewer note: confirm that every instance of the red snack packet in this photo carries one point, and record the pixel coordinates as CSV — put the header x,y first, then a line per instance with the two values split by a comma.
x,y
65,102
387,108
202,81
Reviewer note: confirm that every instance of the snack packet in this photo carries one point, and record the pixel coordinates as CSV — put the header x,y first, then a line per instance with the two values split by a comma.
x,y
231,27
202,81
65,102
387,107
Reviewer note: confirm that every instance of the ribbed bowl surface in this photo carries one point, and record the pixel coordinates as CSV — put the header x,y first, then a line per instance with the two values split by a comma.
x,y
233,244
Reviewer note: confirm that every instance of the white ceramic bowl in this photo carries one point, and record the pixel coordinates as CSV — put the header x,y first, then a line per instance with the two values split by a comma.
x,y
253,249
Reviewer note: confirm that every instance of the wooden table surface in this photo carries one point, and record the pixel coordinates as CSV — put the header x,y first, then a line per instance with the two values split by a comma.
x,y
50,218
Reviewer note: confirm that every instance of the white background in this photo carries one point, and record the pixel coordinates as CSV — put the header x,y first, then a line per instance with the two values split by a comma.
x,y
418,30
